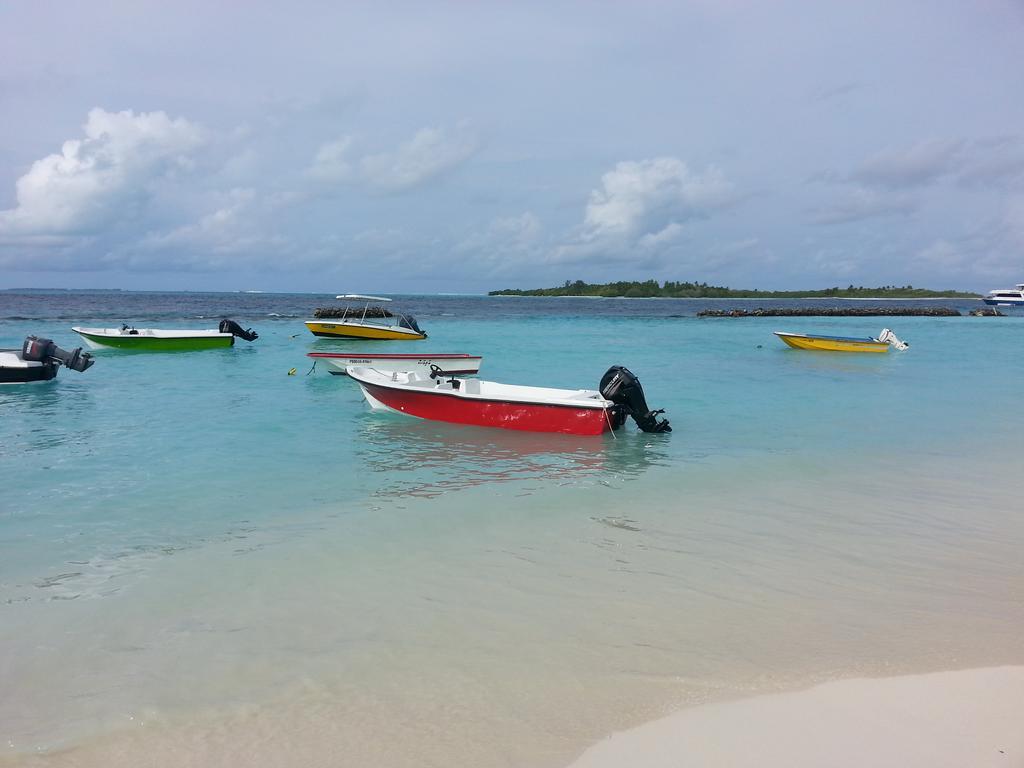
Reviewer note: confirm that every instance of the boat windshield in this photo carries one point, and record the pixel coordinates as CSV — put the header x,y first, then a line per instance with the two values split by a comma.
x,y
408,321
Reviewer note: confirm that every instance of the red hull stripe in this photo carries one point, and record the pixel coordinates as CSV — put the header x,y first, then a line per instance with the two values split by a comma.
x,y
528,417
446,373
395,356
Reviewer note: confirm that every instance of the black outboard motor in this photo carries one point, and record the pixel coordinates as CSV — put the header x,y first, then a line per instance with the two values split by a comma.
x,y
623,388
45,351
230,326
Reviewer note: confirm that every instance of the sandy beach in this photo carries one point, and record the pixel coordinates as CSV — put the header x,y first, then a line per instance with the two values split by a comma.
x,y
940,720
944,720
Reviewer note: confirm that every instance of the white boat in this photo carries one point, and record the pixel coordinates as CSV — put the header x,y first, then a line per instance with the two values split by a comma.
x,y
39,360
165,340
1006,297
473,402
338,362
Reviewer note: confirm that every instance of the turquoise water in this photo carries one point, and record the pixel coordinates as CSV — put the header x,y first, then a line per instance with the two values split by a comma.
x,y
190,534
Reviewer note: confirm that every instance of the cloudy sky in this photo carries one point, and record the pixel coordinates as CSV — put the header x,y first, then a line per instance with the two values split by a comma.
x,y
460,147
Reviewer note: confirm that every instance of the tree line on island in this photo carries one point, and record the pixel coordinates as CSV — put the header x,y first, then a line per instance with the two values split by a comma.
x,y
647,289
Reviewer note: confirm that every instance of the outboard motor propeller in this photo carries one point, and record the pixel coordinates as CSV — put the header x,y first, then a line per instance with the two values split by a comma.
x,y
44,350
230,326
622,387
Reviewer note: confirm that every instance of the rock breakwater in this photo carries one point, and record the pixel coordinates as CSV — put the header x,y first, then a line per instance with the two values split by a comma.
x,y
833,312
344,313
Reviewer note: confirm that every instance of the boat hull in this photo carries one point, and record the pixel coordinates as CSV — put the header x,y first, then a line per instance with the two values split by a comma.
x,y
439,406
1004,302
832,343
15,370
337,362
460,407
155,343
340,330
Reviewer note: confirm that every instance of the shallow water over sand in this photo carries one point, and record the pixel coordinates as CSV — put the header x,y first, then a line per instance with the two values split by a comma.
x,y
227,561
517,627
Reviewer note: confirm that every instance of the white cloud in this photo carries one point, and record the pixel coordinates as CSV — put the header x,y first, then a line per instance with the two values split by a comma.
x,y
234,234
992,160
1001,243
520,231
979,162
925,162
332,163
646,197
737,246
103,177
994,251
891,183
640,209
941,256
1013,224
671,231
507,244
861,203
431,152
392,250
750,250
218,230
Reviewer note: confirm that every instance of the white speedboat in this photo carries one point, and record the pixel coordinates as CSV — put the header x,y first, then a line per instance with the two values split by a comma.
x,y
1006,297
338,362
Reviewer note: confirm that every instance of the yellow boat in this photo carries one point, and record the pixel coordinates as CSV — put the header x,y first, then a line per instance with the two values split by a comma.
x,y
840,343
372,321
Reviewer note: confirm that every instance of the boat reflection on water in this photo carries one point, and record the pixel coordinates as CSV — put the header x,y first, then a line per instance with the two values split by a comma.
x,y
839,365
428,458
41,417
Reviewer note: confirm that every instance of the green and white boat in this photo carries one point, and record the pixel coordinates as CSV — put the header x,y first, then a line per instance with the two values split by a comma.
x,y
165,340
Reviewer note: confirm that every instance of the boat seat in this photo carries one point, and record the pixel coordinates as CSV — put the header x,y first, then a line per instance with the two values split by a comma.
x,y
471,386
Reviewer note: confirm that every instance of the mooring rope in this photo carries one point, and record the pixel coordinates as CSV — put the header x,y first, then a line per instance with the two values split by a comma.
x,y
611,429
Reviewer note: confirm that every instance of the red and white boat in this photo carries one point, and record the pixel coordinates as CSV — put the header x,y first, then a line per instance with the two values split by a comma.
x,y
441,397
338,362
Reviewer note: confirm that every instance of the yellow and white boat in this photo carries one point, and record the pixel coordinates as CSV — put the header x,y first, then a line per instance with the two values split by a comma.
x,y
365,317
842,343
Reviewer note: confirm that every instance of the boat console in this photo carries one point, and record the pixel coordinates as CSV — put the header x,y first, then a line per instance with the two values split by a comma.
x,y
623,388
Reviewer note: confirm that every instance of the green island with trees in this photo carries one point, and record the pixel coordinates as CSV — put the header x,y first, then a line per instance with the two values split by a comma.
x,y
647,289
